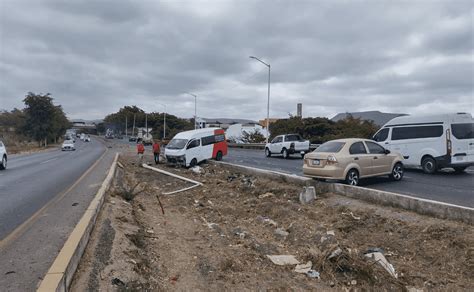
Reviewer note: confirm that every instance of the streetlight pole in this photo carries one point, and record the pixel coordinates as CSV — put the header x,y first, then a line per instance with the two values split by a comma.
x,y
268,99
195,109
164,121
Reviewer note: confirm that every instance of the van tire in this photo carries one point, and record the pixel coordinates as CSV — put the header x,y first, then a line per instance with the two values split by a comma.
x,y
459,169
285,153
428,164
219,156
352,177
267,152
193,162
397,172
3,164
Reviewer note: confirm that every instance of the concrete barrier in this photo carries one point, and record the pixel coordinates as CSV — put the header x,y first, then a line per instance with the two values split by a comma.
x,y
421,206
60,274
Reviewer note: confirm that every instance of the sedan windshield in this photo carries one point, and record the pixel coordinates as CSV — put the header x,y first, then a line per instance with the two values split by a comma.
x,y
331,147
177,144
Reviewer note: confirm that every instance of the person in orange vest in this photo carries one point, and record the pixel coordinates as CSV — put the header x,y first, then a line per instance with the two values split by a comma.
x,y
140,152
156,151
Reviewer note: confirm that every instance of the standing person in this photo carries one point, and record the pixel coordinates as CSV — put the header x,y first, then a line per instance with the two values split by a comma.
x,y
156,151
140,152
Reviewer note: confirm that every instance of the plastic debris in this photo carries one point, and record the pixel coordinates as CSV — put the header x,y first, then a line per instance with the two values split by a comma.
x,y
196,169
335,253
281,232
307,195
304,268
352,215
331,232
313,274
380,258
283,260
118,282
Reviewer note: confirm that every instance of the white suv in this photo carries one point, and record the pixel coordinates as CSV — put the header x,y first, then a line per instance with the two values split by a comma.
x,y
3,156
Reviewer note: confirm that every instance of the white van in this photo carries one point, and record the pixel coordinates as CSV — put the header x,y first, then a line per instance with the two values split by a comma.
x,y
191,147
432,142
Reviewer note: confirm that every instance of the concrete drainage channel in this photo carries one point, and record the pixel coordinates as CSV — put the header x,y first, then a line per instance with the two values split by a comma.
x,y
421,206
60,274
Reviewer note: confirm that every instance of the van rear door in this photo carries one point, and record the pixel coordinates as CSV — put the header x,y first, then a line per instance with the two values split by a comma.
x,y
462,137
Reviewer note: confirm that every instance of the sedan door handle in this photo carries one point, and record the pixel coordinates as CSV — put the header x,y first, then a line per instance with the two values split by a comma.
x,y
386,143
357,158
375,157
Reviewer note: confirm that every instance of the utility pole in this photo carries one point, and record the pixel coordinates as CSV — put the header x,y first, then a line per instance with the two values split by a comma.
x,y
268,99
195,109
164,121
125,126
133,129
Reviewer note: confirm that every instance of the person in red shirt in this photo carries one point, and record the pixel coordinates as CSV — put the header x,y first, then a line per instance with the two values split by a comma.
x,y
140,152
156,151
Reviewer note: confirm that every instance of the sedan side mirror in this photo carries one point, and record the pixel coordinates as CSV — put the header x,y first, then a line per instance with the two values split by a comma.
x,y
387,151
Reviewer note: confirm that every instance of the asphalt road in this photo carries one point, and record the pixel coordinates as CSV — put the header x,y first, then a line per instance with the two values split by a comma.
x,y
32,180
445,186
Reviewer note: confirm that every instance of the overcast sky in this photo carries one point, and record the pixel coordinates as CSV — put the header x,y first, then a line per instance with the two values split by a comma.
x,y
333,56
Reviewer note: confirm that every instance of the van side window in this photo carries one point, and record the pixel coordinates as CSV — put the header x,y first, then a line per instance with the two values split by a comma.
x,y
208,140
220,138
194,144
416,132
382,135
463,131
357,148
375,148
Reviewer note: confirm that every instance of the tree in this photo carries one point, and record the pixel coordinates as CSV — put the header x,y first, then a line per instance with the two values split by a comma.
x,y
43,120
252,137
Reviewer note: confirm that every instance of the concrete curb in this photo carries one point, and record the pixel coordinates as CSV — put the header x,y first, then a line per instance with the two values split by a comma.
x,y
60,274
421,206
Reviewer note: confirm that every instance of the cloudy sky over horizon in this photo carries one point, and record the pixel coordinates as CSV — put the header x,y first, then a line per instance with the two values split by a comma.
x,y
333,56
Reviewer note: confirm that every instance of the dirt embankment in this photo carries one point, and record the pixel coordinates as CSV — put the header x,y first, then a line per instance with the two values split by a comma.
x,y
217,237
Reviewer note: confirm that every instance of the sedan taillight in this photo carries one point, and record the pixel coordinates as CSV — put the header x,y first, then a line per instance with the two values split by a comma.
x,y
331,159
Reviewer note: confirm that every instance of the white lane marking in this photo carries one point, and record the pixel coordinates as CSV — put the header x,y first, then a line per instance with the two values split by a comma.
x,y
49,160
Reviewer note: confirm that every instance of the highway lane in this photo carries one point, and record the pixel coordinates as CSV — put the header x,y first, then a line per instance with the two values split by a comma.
x,y
445,186
32,180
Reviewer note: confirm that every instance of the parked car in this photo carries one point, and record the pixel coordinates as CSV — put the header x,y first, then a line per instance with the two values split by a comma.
x,y
3,156
191,147
68,145
431,142
352,159
87,138
287,145
132,139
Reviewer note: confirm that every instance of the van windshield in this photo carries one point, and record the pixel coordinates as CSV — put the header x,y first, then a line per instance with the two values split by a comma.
x,y
463,131
177,144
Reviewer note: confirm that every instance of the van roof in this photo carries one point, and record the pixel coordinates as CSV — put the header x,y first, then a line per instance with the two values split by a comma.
x,y
440,118
193,133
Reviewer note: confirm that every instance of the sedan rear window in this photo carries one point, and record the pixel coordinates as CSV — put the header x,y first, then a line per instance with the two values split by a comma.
x,y
331,147
463,131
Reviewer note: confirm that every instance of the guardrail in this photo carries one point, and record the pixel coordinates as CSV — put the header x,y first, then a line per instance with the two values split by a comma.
x,y
260,145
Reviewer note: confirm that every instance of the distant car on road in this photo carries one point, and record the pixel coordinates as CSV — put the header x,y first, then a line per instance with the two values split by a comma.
x,y
352,159
287,145
68,145
432,142
132,139
3,156
87,138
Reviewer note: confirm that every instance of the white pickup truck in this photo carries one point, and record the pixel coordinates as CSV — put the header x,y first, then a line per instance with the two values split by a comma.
x,y
287,145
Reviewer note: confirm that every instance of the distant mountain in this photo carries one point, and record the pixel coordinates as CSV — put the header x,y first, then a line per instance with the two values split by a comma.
x,y
377,117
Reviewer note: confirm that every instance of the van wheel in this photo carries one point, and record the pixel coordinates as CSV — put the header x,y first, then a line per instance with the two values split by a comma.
x,y
397,172
267,152
3,165
352,177
285,153
193,162
459,169
429,165
302,155
219,156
